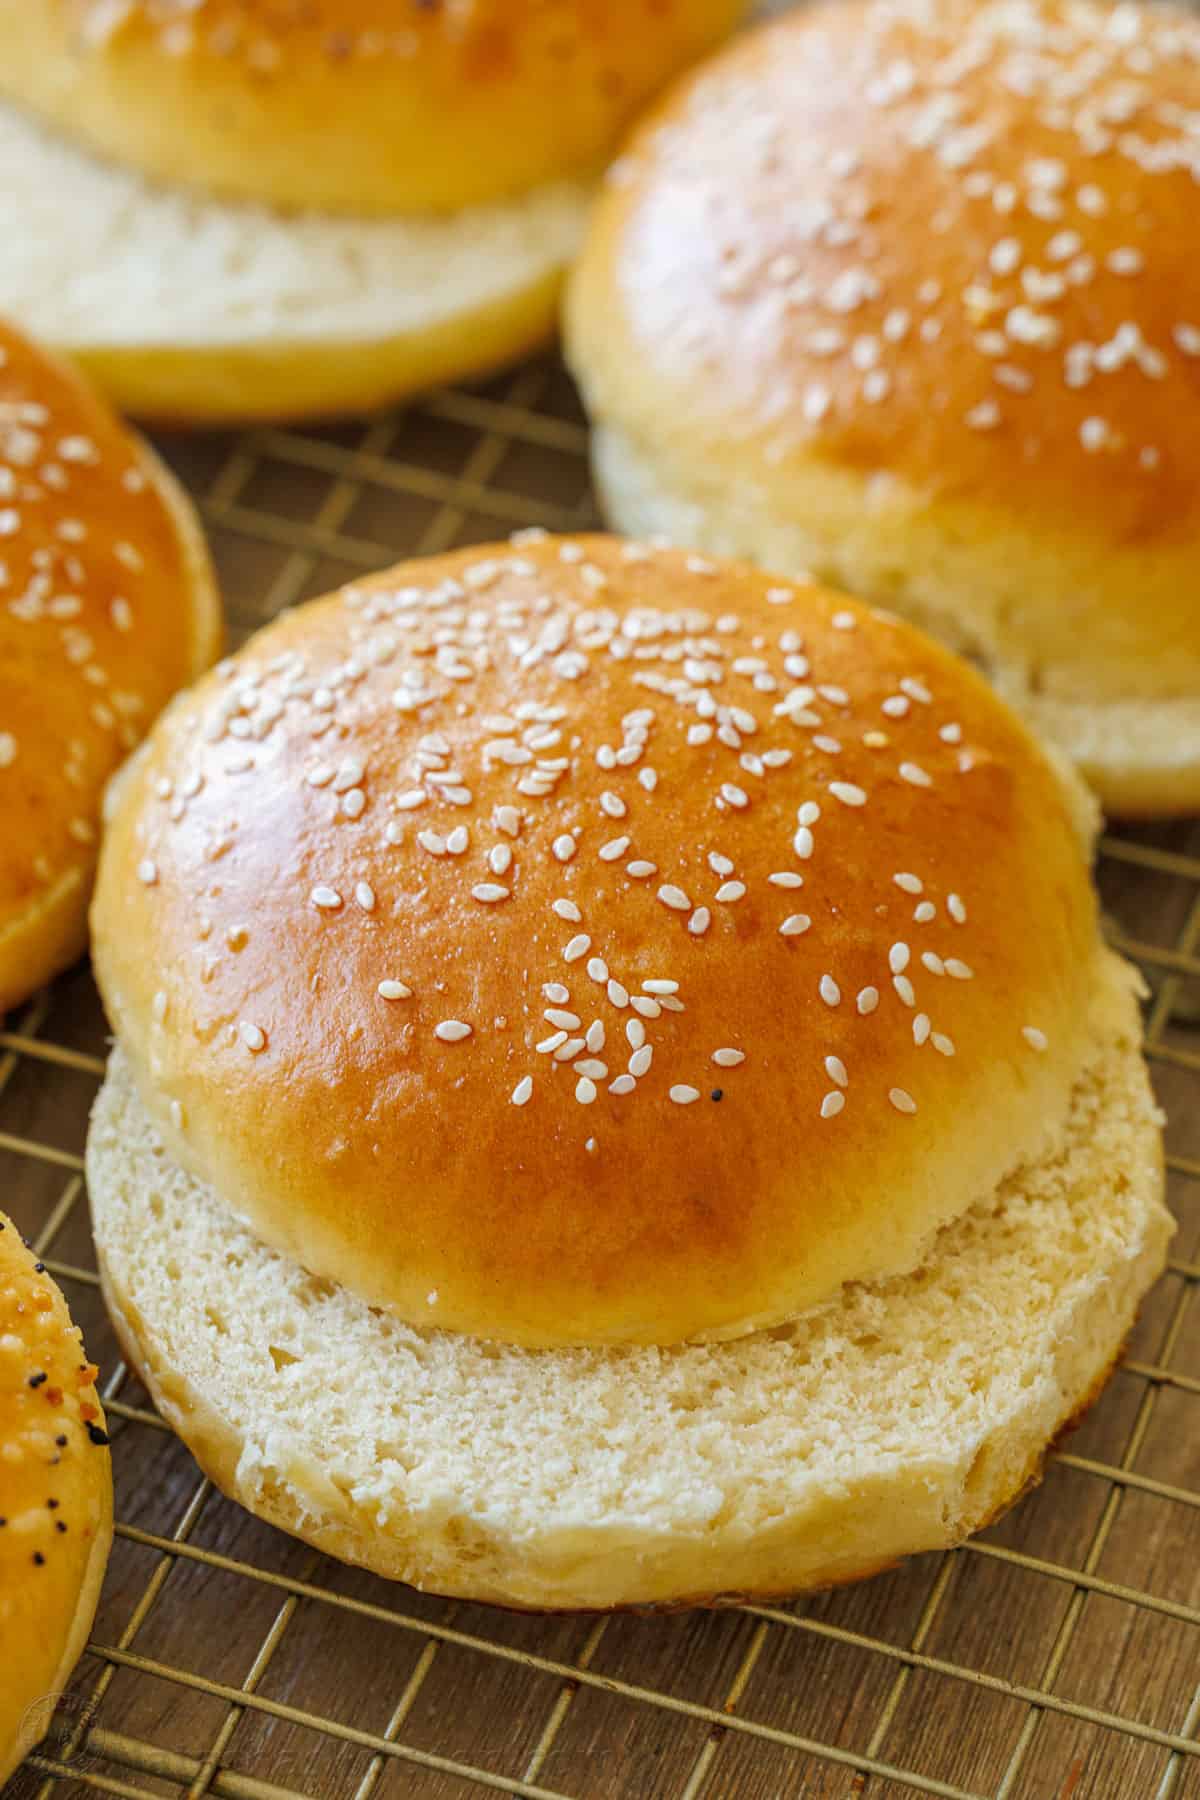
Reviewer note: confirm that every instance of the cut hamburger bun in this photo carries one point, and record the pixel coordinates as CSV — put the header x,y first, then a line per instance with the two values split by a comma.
x,y
55,1498
263,213
908,294
618,1094
626,925
899,1416
108,607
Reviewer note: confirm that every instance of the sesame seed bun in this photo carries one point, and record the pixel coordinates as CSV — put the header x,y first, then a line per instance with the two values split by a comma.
x,y
569,943
350,106
909,294
227,212
55,1498
898,1417
108,607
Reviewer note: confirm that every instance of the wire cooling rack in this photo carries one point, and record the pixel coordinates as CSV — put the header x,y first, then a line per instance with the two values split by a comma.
x,y
1057,1657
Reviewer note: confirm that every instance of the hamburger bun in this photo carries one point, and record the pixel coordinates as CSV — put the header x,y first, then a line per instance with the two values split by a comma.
x,y
109,607
55,1498
618,1094
909,294
267,212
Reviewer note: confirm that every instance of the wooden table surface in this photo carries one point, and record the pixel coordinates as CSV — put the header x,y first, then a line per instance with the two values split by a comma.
x,y
1056,1658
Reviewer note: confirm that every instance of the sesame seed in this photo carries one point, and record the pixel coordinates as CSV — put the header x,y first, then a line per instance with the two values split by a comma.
x,y
564,847
566,909
556,992
490,892
1037,1040
728,1058
568,1021
598,969
660,985
618,996
253,1036
895,706
942,1044
452,1031
326,898
923,913
960,971
867,1000
594,1036
734,796
683,1095
898,957
640,871
585,1090
729,891
523,1090
933,962
635,1031
675,898
549,1045
902,1101
700,921
832,1104
639,1062
802,843
911,884
624,1084
393,990
835,1068
645,1005
904,989
508,820
499,858
578,946
786,878
795,925
830,992
615,848
433,842
458,840
848,793
956,909
921,1028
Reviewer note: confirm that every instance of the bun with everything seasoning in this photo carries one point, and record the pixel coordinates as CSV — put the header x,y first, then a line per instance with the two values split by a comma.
x,y
55,1497
582,1008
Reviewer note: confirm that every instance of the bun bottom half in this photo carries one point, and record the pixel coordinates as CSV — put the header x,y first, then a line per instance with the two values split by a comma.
x,y
1139,752
898,1417
195,311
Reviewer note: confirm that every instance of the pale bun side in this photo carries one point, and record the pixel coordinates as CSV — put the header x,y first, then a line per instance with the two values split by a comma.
x,y
112,607
194,311
975,583
909,292
350,106
676,942
55,1497
899,1417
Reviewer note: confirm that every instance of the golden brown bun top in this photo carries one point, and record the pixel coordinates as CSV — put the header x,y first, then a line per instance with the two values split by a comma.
x,y
956,242
105,610
374,106
55,1482
569,942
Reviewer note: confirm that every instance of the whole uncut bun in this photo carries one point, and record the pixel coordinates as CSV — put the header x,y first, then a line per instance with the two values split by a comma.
x,y
574,944
107,606
55,1497
909,294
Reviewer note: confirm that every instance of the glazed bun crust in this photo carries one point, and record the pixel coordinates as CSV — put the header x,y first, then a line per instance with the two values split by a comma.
x,y
395,899
110,607
910,294
55,1497
358,106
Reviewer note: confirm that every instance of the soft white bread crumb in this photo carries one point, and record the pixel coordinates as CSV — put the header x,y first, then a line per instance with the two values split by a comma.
x,y
191,309
898,1417
1140,754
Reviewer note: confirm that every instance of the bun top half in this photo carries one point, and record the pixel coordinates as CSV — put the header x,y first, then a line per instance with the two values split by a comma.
x,y
568,942
107,606
350,106
952,250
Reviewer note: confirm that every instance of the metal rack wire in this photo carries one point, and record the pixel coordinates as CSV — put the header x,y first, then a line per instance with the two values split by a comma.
x,y
1056,1656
